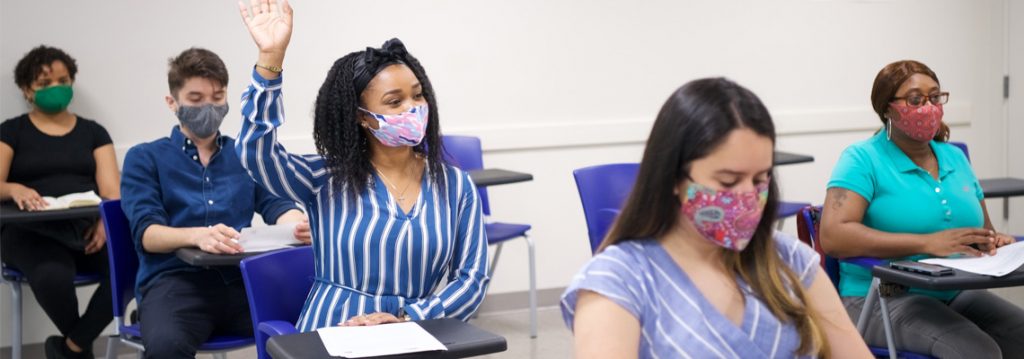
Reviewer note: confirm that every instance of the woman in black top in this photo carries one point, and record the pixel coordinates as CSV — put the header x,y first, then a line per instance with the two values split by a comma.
x,y
52,152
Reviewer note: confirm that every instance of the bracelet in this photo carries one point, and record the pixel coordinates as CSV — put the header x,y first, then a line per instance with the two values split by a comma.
x,y
274,69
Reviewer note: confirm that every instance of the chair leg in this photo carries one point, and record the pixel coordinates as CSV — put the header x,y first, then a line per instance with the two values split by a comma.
x,y
494,262
15,319
533,287
112,342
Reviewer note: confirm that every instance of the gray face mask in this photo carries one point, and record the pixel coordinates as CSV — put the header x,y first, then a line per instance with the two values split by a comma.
x,y
203,121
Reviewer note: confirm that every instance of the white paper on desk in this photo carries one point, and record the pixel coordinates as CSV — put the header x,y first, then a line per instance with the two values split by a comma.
x,y
377,340
267,238
1007,259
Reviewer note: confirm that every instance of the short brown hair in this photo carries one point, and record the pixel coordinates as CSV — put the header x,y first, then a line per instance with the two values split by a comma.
x,y
195,62
889,80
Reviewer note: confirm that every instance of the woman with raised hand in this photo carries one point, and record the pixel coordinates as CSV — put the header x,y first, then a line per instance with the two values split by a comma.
x,y
691,268
391,221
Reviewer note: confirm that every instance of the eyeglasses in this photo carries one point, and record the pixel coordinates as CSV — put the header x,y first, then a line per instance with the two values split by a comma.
x,y
918,100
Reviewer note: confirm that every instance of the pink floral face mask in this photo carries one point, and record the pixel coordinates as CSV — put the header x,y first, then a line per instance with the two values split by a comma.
x,y
404,129
727,219
919,123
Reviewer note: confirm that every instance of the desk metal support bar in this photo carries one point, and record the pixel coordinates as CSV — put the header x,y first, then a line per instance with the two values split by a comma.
x,y
1006,211
869,304
884,306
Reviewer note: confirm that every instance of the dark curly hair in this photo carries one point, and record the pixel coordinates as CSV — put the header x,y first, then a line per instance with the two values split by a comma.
x,y
31,65
342,141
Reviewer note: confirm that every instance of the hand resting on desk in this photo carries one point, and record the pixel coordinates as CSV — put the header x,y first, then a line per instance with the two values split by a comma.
x,y
371,319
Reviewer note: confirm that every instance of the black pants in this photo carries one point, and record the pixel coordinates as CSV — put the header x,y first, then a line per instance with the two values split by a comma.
x,y
179,311
41,252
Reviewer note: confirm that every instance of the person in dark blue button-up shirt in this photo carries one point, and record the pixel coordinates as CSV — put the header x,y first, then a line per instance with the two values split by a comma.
x,y
190,190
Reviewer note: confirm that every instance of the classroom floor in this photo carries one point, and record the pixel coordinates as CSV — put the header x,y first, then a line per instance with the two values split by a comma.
x,y
553,339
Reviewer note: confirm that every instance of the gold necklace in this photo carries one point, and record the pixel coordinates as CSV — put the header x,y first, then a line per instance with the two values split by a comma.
x,y
401,195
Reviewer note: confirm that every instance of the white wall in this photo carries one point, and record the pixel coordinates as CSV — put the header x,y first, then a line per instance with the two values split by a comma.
x,y
549,85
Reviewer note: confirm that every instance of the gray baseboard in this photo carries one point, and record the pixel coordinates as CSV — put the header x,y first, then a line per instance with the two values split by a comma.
x,y
503,302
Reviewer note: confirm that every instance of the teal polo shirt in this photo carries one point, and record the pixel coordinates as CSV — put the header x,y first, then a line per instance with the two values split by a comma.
x,y
904,198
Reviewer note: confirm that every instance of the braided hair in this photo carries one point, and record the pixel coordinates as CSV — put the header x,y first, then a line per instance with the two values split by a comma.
x,y
337,133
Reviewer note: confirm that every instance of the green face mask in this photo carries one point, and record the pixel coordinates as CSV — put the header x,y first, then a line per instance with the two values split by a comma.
x,y
53,99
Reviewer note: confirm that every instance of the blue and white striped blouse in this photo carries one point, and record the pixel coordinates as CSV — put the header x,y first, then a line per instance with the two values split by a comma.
x,y
370,255
676,320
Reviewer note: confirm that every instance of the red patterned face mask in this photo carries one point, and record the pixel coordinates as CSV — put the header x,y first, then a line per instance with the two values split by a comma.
x,y
919,123
728,219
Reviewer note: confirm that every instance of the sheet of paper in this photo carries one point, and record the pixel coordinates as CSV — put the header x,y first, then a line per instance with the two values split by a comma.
x,y
1007,259
377,340
267,238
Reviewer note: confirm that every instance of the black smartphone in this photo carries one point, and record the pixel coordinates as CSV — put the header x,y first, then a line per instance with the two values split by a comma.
x,y
923,268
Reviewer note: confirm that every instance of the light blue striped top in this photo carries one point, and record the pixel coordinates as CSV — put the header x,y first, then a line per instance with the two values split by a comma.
x,y
371,256
676,320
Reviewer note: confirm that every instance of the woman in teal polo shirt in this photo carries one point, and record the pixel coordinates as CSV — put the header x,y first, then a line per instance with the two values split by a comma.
x,y
905,193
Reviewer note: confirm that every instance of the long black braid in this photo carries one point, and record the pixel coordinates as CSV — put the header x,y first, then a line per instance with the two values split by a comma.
x,y
336,130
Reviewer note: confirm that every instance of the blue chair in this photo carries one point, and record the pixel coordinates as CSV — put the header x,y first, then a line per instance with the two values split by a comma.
x,y
603,191
15,278
277,284
786,210
808,222
124,264
466,153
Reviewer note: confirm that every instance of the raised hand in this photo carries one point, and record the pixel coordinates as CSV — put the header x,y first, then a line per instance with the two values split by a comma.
x,y
269,23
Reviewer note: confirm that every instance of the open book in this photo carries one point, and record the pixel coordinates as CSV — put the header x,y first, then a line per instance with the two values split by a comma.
x,y
1007,259
73,200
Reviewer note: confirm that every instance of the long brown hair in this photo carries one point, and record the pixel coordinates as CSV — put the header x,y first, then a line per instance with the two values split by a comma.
x,y
696,119
889,80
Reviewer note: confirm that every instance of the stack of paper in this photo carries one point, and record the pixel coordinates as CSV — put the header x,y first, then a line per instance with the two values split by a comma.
x,y
1007,259
268,238
378,340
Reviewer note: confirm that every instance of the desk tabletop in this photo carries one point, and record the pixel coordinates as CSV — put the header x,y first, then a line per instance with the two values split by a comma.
x,y
960,280
196,257
462,340
9,213
788,158
1002,187
497,176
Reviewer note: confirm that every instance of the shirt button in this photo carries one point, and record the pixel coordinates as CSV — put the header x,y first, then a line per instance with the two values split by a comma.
x,y
210,201
183,148
949,212
943,201
937,189
208,180
194,157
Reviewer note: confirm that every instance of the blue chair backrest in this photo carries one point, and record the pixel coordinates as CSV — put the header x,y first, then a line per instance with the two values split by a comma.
x,y
466,153
963,147
603,190
124,262
808,222
277,284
